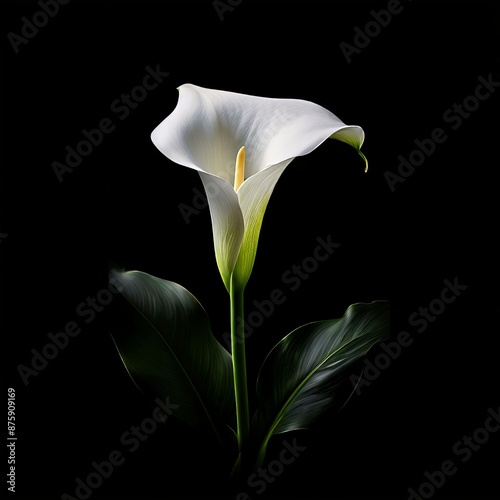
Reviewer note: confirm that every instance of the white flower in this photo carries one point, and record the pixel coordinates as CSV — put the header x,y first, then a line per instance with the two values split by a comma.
x,y
240,145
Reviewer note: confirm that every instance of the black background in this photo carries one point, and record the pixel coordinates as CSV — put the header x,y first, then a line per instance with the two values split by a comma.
x,y
121,204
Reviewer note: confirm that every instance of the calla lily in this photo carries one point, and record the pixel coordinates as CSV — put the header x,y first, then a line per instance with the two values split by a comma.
x,y
240,145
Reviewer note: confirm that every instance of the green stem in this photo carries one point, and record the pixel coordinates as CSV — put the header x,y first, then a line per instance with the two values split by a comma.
x,y
239,367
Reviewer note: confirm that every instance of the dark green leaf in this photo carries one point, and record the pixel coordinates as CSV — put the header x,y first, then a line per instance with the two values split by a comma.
x,y
169,350
301,376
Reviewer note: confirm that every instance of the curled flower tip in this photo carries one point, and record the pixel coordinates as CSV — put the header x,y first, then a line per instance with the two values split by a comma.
x,y
364,158
239,169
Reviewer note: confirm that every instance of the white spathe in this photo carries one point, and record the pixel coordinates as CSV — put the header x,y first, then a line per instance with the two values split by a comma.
x,y
206,130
